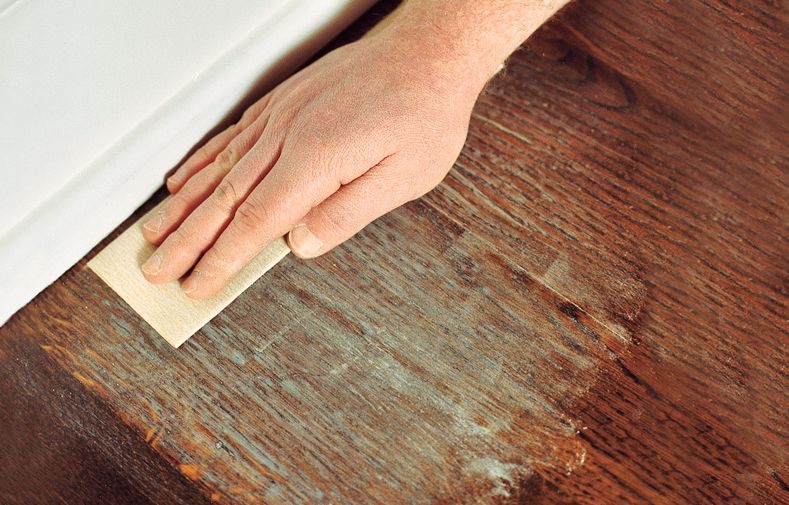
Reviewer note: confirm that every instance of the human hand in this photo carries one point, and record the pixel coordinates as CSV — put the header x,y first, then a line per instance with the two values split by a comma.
x,y
356,134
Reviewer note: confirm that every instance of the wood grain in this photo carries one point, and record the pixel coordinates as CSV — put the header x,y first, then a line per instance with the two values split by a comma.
x,y
592,308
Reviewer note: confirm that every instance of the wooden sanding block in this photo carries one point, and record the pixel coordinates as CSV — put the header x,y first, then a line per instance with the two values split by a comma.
x,y
165,306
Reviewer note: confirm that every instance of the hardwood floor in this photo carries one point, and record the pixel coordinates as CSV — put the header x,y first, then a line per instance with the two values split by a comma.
x,y
591,308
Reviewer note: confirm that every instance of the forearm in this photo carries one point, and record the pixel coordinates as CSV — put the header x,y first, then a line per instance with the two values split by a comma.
x,y
470,38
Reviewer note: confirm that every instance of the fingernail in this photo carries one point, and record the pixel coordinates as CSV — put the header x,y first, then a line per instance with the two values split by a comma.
x,y
155,223
191,283
154,264
304,242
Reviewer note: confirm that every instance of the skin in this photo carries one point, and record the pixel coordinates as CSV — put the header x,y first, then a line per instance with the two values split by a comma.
x,y
365,129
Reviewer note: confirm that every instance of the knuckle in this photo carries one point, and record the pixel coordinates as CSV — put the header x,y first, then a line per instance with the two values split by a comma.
x,y
279,122
249,115
234,129
226,158
192,192
249,215
338,218
226,196
203,153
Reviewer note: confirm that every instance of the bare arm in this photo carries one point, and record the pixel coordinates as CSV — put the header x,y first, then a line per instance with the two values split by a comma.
x,y
471,35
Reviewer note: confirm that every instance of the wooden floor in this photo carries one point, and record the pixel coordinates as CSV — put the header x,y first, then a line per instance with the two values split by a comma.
x,y
592,308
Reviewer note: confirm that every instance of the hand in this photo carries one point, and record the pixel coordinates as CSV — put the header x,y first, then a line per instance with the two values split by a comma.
x,y
356,134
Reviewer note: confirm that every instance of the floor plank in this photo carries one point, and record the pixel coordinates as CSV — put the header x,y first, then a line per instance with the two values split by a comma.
x,y
591,308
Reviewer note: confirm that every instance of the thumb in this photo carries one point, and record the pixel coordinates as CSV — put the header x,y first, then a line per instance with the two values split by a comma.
x,y
348,210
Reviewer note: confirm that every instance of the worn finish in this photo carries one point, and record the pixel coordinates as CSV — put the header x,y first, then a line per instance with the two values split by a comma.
x,y
591,308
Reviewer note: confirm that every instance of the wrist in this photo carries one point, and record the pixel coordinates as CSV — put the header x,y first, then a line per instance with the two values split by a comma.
x,y
463,40
428,56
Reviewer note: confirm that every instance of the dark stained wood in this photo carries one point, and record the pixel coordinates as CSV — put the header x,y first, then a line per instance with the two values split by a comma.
x,y
62,444
592,308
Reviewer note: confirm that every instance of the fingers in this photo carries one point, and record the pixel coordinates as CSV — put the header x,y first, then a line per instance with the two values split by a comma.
x,y
278,203
202,157
201,184
209,151
347,211
204,219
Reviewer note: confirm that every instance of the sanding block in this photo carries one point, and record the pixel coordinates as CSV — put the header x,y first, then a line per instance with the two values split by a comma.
x,y
175,316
